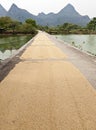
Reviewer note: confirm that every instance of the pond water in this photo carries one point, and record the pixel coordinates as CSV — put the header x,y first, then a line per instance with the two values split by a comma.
x,y
10,44
85,43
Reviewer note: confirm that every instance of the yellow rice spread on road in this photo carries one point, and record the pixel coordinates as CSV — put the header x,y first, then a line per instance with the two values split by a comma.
x,y
46,92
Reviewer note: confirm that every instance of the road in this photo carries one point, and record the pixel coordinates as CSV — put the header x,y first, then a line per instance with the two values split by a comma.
x,y
45,91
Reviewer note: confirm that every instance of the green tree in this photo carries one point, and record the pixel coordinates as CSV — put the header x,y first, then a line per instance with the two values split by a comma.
x,y
5,22
92,24
68,28
31,22
29,26
11,26
14,25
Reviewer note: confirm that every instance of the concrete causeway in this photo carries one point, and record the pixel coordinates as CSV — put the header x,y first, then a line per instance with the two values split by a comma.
x,y
45,91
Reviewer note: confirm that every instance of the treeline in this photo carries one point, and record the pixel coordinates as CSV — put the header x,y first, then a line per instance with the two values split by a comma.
x,y
69,28
9,26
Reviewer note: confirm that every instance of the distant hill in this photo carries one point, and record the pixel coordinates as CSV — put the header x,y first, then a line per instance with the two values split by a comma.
x,y
19,14
3,12
67,14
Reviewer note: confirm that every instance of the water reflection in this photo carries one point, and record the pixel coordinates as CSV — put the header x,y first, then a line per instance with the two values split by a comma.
x,y
6,54
84,42
9,44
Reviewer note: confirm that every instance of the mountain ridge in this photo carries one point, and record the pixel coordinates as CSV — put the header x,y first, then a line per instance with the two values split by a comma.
x,y
68,9
3,11
67,14
18,14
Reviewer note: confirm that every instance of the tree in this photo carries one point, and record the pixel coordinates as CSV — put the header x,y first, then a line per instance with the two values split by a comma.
x,y
29,26
8,25
31,22
92,24
14,26
11,26
67,28
5,22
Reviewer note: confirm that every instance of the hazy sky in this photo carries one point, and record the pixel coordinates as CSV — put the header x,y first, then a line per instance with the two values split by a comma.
x,y
84,7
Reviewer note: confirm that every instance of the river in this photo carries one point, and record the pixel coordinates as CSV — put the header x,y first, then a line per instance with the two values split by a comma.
x,y
10,44
86,43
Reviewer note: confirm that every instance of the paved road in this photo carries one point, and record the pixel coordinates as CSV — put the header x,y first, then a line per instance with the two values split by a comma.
x,y
46,92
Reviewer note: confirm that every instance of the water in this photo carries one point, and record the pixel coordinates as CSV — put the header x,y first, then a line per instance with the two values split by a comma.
x,y
85,43
10,44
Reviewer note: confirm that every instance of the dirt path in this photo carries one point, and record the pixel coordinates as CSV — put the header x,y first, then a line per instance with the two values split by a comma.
x,y
46,92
